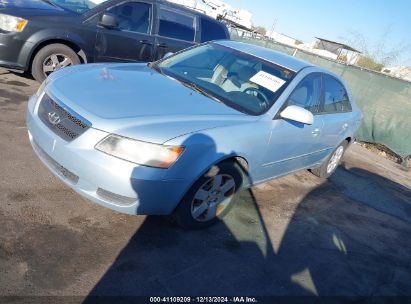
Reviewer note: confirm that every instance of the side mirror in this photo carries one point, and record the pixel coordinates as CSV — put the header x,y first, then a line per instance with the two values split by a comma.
x,y
168,54
298,114
109,21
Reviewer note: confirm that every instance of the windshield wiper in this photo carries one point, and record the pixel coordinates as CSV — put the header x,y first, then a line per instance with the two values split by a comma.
x,y
200,90
155,66
186,83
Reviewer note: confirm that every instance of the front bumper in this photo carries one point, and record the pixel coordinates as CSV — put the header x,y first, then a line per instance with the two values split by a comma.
x,y
14,51
101,178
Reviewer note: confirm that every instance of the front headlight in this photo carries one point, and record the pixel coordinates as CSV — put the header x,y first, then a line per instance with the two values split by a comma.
x,y
139,152
11,23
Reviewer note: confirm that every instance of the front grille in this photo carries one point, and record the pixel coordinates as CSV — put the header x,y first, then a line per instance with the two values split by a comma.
x,y
57,168
61,120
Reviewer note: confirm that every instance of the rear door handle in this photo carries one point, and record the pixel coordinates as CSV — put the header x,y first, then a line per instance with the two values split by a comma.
x,y
344,126
315,132
162,45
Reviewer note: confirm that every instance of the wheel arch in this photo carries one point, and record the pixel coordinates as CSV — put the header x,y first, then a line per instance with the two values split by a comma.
x,y
74,46
240,160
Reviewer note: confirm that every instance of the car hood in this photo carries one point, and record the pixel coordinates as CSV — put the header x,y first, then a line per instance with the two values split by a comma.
x,y
136,101
32,8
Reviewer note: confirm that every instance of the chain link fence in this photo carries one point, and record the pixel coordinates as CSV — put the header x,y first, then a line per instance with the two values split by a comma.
x,y
384,100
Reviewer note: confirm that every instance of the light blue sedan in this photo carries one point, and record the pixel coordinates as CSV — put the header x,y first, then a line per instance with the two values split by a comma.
x,y
181,136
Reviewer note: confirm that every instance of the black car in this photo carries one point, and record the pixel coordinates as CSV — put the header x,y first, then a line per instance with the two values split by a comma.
x,y
41,36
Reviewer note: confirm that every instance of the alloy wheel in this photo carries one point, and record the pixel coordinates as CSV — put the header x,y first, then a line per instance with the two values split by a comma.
x,y
55,62
212,198
335,159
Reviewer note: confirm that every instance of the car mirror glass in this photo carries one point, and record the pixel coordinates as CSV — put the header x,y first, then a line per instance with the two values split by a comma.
x,y
109,21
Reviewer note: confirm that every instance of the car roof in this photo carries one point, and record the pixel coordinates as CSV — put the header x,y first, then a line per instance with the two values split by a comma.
x,y
278,58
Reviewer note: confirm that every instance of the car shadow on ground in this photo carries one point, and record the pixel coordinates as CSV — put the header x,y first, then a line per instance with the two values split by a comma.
x,y
329,243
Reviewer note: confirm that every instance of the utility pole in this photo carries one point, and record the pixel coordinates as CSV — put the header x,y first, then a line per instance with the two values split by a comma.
x,y
272,28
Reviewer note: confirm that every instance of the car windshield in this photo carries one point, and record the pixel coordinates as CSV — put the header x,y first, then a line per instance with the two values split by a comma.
x,y
241,81
76,6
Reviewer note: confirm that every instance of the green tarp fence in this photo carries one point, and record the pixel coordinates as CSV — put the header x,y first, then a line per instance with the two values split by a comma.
x,y
384,100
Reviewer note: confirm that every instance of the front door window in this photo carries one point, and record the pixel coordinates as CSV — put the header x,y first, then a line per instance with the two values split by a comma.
x,y
133,16
307,94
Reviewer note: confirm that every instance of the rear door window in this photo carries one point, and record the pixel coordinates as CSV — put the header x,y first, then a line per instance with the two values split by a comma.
x,y
174,24
212,30
335,96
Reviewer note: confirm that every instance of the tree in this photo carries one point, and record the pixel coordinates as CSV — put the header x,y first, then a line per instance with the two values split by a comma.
x,y
342,57
259,30
378,53
369,63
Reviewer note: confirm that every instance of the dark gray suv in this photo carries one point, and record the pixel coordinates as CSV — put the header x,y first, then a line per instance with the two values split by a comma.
x,y
43,36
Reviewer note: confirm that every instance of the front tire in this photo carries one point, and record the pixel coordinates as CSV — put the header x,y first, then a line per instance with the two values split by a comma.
x,y
51,58
210,197
331,163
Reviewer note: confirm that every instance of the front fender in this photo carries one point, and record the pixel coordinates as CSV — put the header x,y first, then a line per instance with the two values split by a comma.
x,y
39,38
209,147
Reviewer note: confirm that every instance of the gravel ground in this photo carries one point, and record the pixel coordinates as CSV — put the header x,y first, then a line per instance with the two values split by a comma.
x,y
298,235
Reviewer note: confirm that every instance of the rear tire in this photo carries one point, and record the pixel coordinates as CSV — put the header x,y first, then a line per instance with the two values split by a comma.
x,y
51,58
330,164
210,197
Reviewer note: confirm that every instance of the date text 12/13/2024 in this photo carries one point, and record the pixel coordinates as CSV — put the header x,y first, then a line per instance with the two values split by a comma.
x,y
239,299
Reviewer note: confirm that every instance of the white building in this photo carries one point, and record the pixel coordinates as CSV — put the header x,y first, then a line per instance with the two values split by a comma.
x,y
197,5
219,9
284,39
398,71
332,50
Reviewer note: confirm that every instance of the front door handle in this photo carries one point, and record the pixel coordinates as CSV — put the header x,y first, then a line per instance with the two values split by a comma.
x,y
315,132
145,42
162,45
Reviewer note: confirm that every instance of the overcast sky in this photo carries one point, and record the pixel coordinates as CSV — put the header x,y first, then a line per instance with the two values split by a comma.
x,y
334,20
